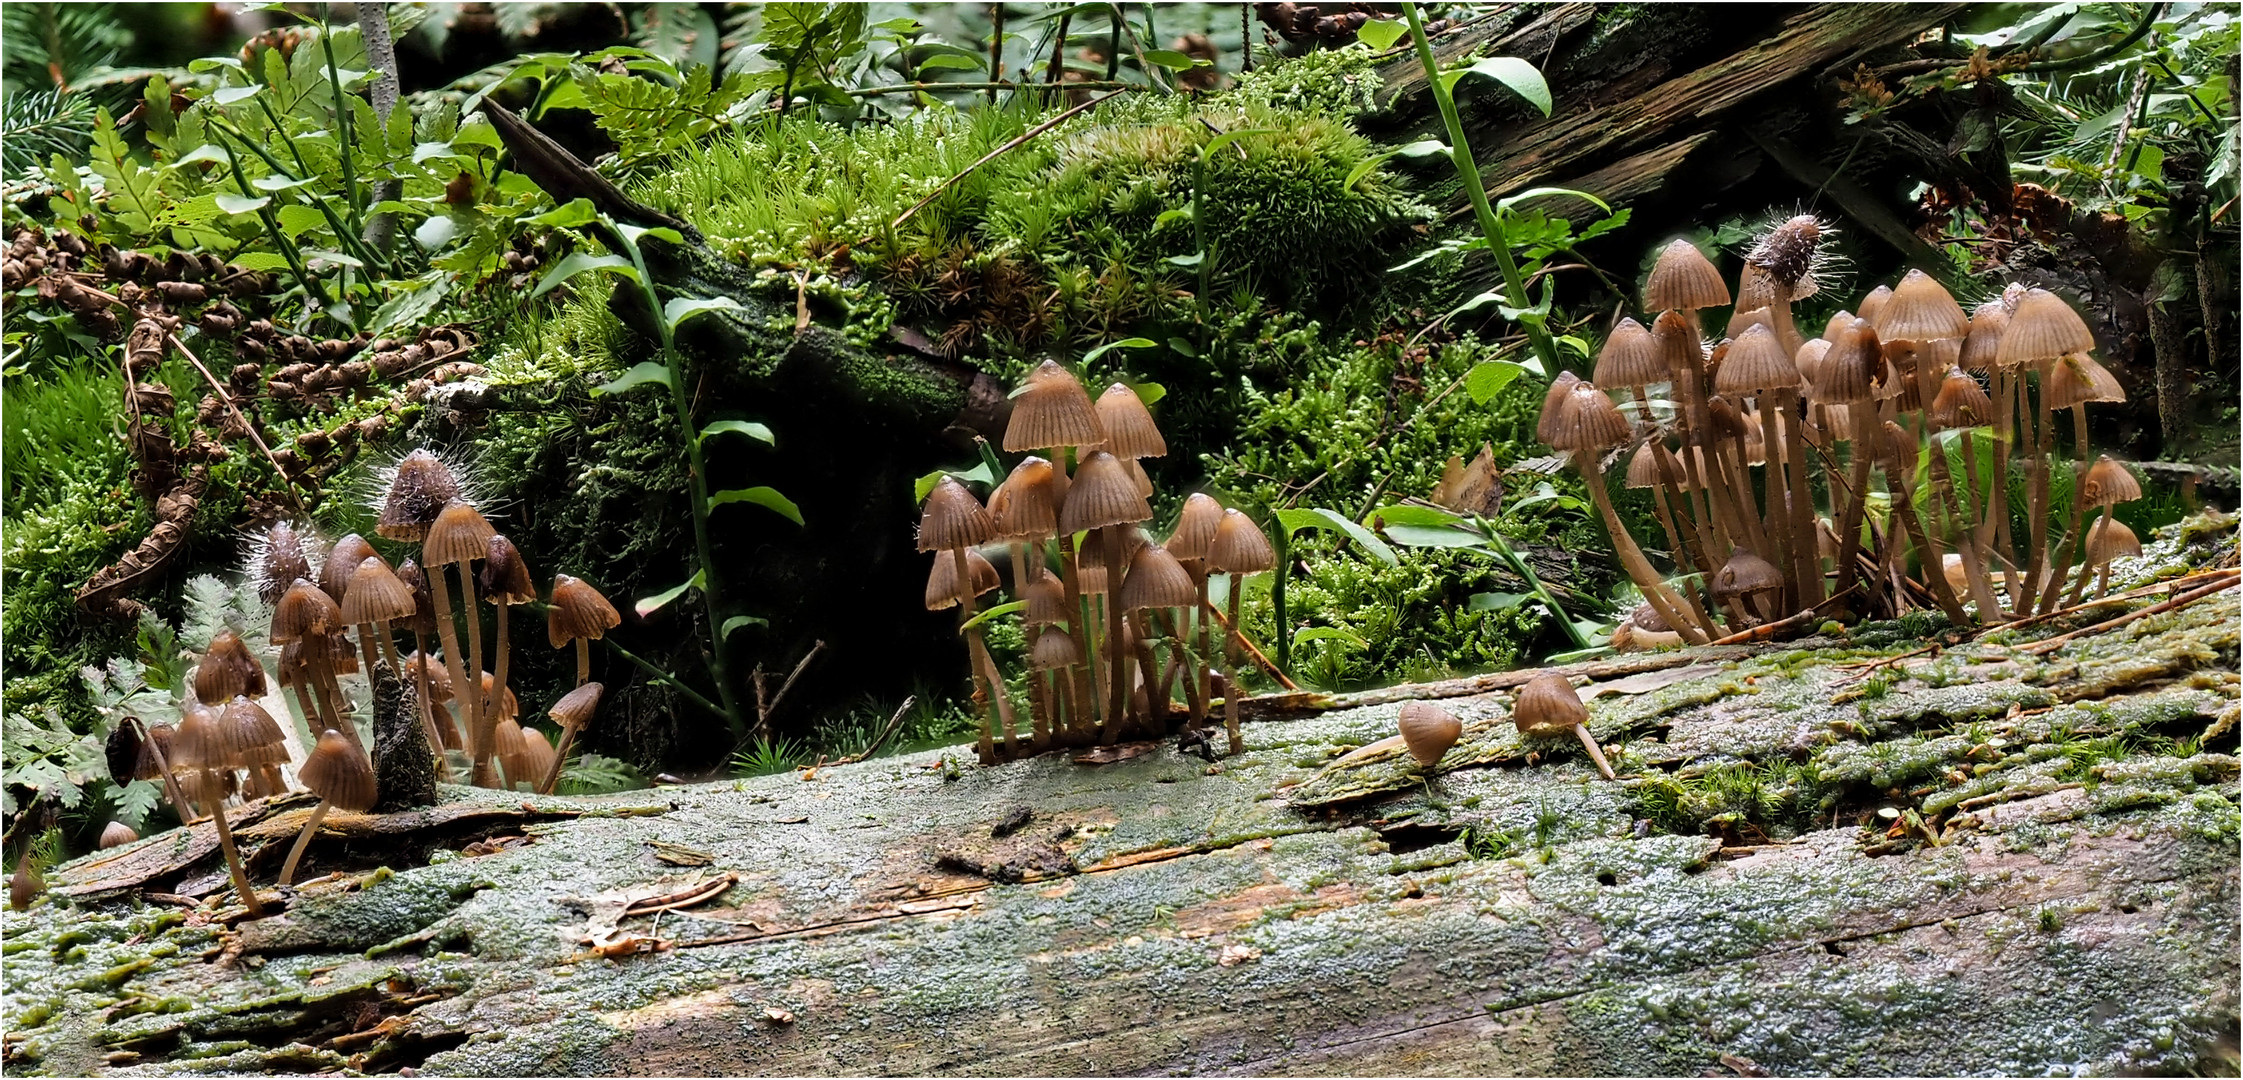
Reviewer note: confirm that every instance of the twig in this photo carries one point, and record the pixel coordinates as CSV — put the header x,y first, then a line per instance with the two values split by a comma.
x,y
1768,631
993,155
665,678
2116,598
880,740
287,484
2054,643
791,677
1865,669
1251,650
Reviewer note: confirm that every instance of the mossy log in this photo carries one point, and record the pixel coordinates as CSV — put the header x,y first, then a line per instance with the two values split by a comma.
x,y
1859,855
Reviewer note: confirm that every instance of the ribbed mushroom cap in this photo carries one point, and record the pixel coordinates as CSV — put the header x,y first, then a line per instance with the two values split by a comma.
x,y
2076,379
1678,343
1157,580
1054,650
1589,422
537,752
577,707
1102,495
197,742
1921,309
953,518
2042,327
507,746
1838,321
509,705
1196,526
1553,405
1643,467
1026,505
280,561
439,678
305,610
376,596
117,834
424,602
1683,278
1756,439
1428,731
341,562
2111,539
1723,420
1744,574
1897,452
1850,368
152,751
1631,357
1129,427
227,669
505,577
577,611
459,534
1052,410
1961,402
338,772
1755,295
290,668
1827,424
1046,599
1093,556
1984,342
251,735
1137,477
340,656
1873,304
1787,255
1090,580
417,494
1756,363
2108,483
26,883
1808,359
1240,547
942,580
1548,705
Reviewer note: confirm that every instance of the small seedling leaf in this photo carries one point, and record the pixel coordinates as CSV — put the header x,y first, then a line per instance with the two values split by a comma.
x,y
742,622
1171,59
681,309
1497,601
577,212
1421,536
582,262
1520,76
758,432
766,497
660,600
1330,633
1381,34
1125,343
646,372
992,613
243,204
1488,378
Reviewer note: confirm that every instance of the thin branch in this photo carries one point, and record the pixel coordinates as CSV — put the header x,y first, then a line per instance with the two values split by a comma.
x,y
2054,643
881,739
993,155
968,87
287,483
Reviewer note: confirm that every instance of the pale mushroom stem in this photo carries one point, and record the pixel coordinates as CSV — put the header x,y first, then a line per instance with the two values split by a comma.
x,y
441,594
2075,538
1023,573
1690,548
330,691
1806,563
1117,690
2036,563
2007,391
560,758
1927,544
1230,667
1187,663
233,854
436,740
1596,754
1661,598
2101,570
583,660
303,840
366,649
1204,659
482,715
499,664
1849,533
1079,677
312,716
171,783
987,746
1148,668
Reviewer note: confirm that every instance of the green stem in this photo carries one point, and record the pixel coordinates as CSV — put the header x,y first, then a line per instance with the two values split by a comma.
x,y
1284,545
665,678
280,240
352,196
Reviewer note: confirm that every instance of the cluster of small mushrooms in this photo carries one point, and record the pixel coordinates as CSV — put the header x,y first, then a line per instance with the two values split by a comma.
x,y
227,745
1735,438
1115,620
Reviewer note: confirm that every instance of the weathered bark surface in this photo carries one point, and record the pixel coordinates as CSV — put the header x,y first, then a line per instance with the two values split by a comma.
x,y
2045,900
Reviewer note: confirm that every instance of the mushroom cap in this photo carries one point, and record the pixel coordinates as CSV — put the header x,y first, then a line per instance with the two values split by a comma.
x,y
251,734
1984,342
509,706
1850,368
1052,409
1787,255
1589,422
1548,705
1428,731
577,611
1093,555
1724,420
228,669
1631,357
439,678
575,709
1157,580
341,562
1961,402
1921,309
155,751
305,610
1897,454
1839,320
1553,405
1873,304
942,580
2108,483
1683,278
953,518
2111,539
1026,505
2076,379
1129,427
1679,343
1103,494
1046,601
1808,360
507,746
26,883
1196,526
337,771
505,577
424,602
376,595
459,534
537,752
197,742
1643,466
1054,650
117,834
2042,327
1138,477
417,494
280,561
1090,580
1755,296
1744,574
1240,547
1757,363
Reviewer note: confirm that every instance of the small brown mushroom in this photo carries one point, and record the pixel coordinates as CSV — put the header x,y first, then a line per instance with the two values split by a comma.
x,y
1429,731
339,773
1548,705
575,709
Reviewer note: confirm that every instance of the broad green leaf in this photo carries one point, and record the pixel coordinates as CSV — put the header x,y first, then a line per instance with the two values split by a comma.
x,y
754,431
980,474
1381,34
999,611
1362,169
1170,217
1216,144
951,62
1172,60
681,309
646,372
1531,194
296,219
742,622
1193,259
1183,347
1520,76
228,95
1421,536
768,498
212,152
1125,343
635,234
242,204
576,213
1320,518
660,600
278,183
580,262
1330,633
1407,514
1488,378
436,232
1148,392
1497,601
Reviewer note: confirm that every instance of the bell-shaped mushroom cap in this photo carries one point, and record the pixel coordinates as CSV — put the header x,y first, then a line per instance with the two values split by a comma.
x,y
439,679
1102,495
1054,650
505,577
1548,705
26,883
252,736
1240,547
1631,357
1678,343
508,704
577,611
537,752
117,834
1090,580
1643,467
1130,432
1157,580
1052,409
291,668
575,709
1849,370
953,518
1807,360
1744,574
1589,422
279,561
1756,439
2111,539
1984,342
197,742
304,610
424,603
1755,295
341,562
1724,421
417,494
1026,505
376,596
2042,327
1428,731
1684,279
338,772
1897,451
2076,379
2108,483
507,746
1093,555
942,581
1756,363
1873,304
1838,321
227,669
1921,309
1553,405
459,534
1196,526
1137,477
1787,255
340,656
1046,599
1960,402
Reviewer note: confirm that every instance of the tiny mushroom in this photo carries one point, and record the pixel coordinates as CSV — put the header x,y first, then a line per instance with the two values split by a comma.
x,y
1548,705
